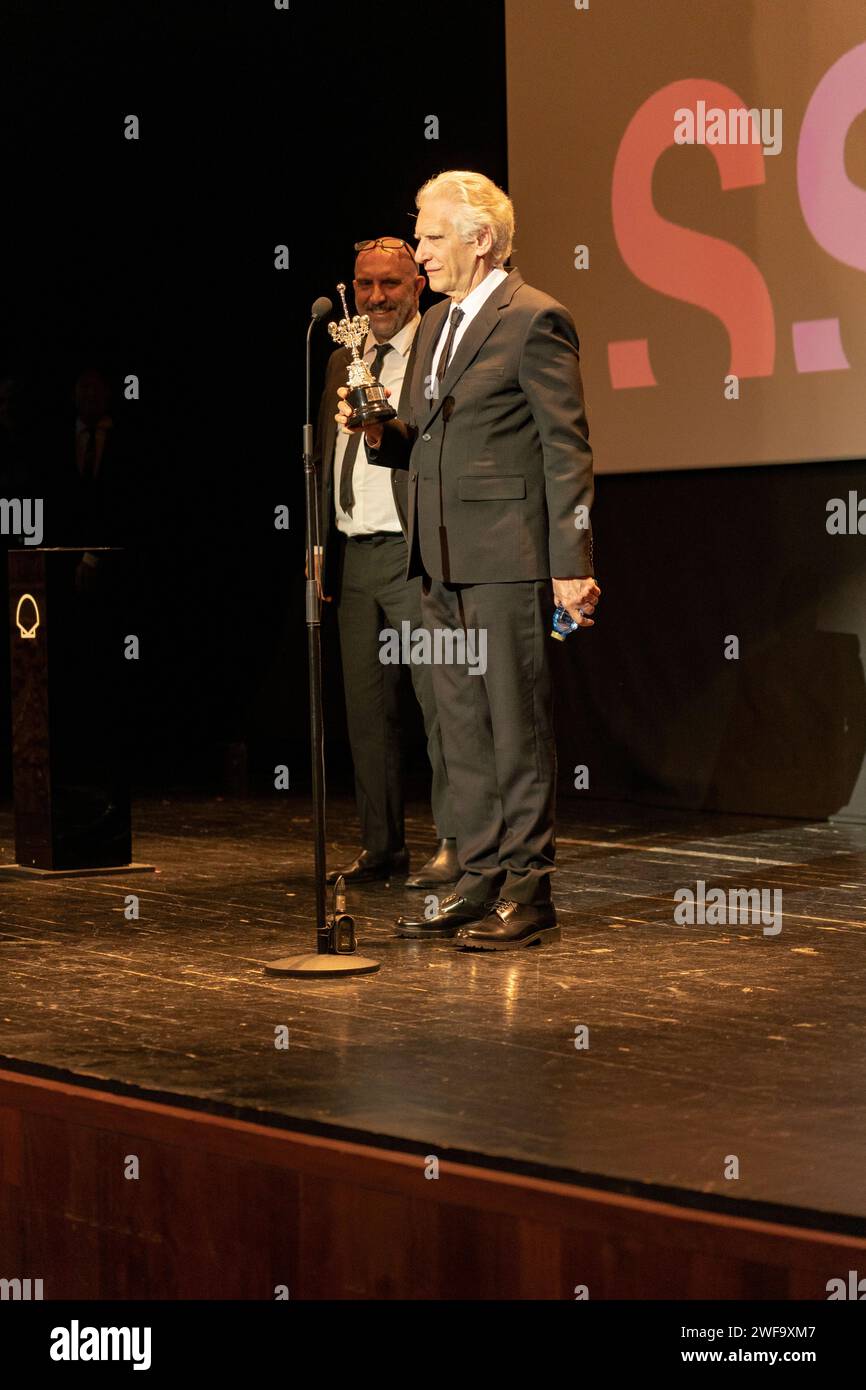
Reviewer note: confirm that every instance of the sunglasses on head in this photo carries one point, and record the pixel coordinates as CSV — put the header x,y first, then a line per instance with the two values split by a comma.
x,y
387,243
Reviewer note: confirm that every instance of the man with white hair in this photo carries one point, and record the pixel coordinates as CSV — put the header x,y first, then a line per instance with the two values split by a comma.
x,y
495,439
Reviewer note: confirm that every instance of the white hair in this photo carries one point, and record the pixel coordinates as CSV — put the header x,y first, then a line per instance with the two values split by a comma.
x,y
480,203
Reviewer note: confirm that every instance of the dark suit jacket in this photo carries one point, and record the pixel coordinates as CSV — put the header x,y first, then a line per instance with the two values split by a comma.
x,y
326,442
109,510
500,458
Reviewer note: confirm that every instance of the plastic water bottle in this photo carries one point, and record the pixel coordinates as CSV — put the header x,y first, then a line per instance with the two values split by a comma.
x,y
563,624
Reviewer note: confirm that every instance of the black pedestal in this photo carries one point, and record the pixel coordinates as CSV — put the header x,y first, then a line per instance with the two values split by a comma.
x,y
69,711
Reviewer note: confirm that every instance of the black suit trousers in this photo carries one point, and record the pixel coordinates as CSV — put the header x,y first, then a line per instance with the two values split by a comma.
x,y
375,594
497,732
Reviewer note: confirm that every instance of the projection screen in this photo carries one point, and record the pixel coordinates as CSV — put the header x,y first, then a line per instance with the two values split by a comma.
x,y
695,193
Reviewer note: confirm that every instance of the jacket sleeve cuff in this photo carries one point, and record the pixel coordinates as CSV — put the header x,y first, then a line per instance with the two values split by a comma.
x,y
395,448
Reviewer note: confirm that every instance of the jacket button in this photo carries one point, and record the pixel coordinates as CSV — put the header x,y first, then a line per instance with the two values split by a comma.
x,y
426,438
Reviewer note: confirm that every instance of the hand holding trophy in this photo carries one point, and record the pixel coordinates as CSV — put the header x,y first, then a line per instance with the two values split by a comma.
x,y
368,400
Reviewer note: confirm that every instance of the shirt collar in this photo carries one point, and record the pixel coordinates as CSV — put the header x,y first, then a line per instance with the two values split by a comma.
x,y
473,301
401,342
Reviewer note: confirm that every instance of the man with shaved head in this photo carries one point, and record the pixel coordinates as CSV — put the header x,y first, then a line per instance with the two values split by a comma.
x,y
364,570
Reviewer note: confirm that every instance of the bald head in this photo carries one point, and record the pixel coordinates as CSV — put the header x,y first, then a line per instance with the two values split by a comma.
x,y
387,286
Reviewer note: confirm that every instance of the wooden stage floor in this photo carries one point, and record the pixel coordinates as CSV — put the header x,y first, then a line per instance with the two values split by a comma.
x,y
705,1042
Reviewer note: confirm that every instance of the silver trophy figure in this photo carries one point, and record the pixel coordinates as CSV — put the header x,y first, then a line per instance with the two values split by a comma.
x,y
366,397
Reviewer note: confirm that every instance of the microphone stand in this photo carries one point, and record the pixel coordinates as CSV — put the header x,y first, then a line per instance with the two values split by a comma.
x,y
335,954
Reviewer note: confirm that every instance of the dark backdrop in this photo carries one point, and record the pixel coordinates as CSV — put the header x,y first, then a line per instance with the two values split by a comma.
x,y
261,127
258,128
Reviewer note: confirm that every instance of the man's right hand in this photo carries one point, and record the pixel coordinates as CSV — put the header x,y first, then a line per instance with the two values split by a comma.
x,y
372,433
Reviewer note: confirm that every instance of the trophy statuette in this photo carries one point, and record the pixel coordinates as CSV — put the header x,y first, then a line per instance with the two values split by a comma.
x,y
366,397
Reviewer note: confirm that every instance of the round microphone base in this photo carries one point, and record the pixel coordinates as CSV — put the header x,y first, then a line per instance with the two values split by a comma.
x,y
316,965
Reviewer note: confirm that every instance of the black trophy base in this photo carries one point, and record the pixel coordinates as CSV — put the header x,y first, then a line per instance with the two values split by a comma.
x,y
369,406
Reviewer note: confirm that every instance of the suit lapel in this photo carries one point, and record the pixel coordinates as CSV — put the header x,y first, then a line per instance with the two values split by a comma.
x,y
406,388
399,476
330,439
336,376
431,327
473,339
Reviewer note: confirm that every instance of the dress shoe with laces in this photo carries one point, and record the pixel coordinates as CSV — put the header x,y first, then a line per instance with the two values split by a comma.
x,y
508,926
370,868
454,913
443,868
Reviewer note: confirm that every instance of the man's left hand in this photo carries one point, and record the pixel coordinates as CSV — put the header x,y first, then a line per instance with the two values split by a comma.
x,y
579,596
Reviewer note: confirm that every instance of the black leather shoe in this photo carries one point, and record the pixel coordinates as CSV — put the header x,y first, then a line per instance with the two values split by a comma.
x,y
454,912
510,925
444,867
368,868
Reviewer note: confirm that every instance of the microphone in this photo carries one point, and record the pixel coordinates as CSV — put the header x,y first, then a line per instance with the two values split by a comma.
x,y
321,306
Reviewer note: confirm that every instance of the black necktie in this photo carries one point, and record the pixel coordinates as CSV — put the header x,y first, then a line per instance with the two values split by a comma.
x,y
347,495
457,316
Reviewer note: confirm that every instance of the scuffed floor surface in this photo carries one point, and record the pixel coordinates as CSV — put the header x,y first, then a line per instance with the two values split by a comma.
x,y
708,1048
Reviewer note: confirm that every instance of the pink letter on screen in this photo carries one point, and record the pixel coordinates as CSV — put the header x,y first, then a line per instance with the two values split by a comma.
x,y
629,364
833,206
677,261
818,346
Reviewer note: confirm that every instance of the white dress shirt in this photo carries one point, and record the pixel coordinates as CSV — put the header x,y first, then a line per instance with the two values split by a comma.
x,y
374,508
470,306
